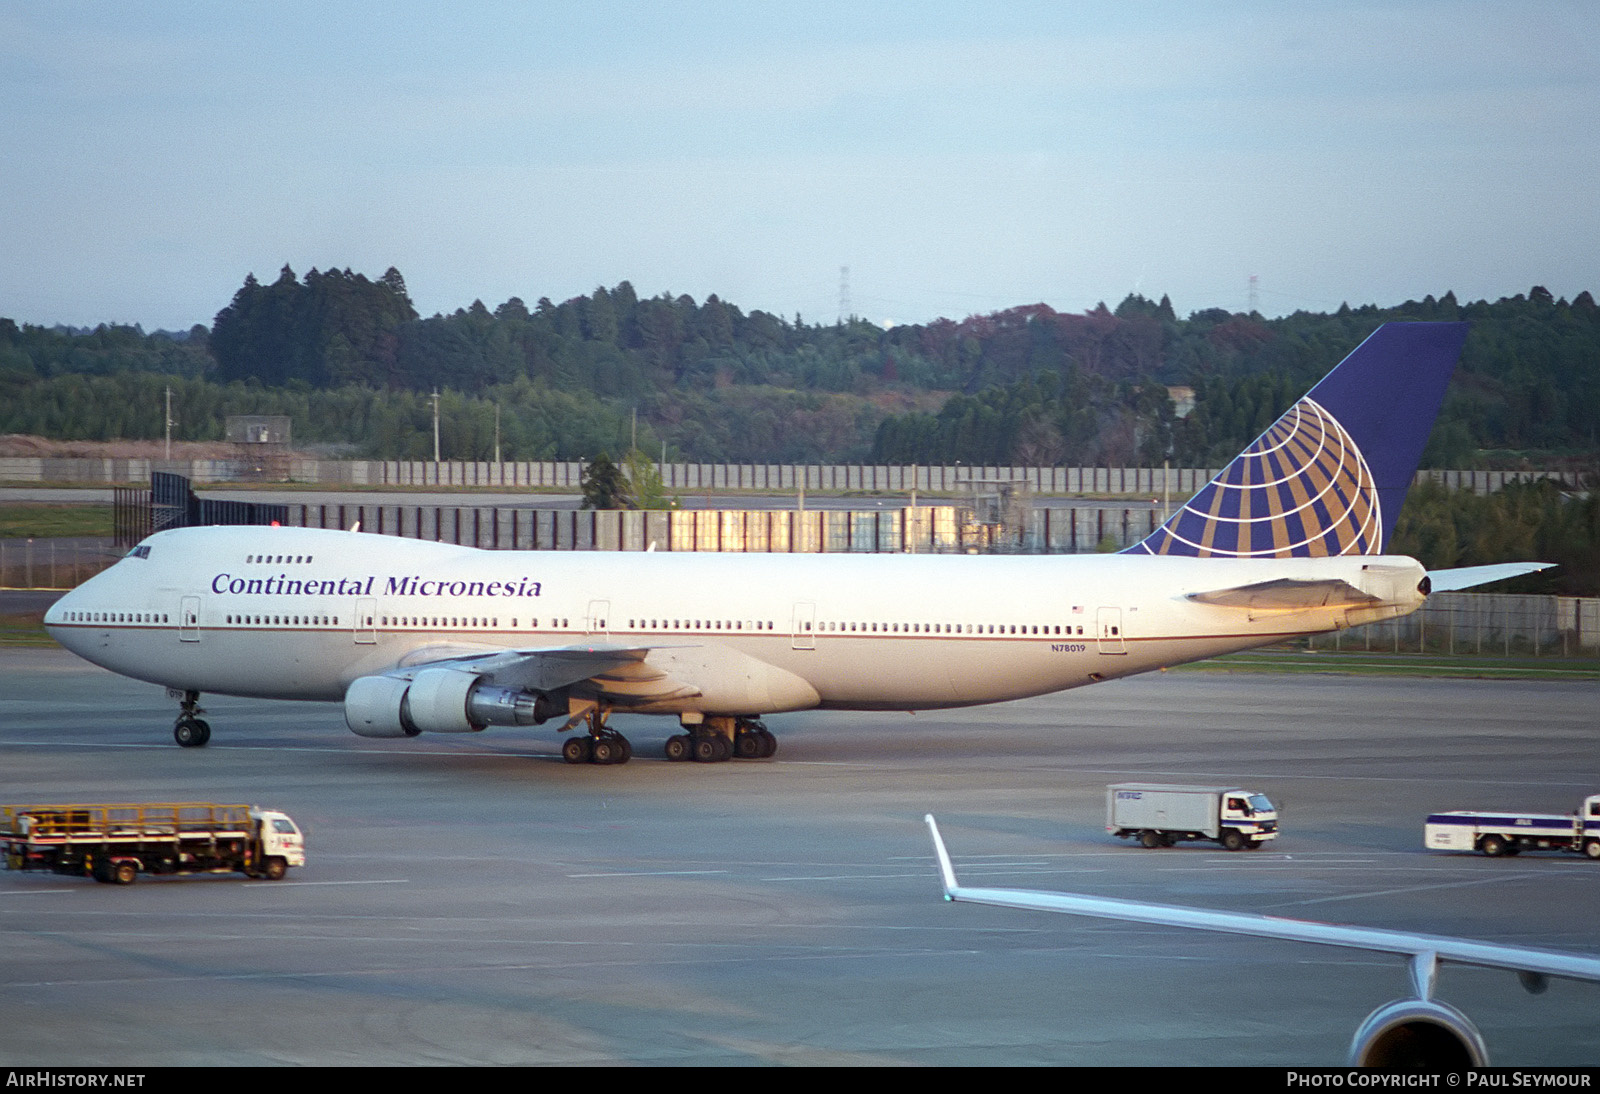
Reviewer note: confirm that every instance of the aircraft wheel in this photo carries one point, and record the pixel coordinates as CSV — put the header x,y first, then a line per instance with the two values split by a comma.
x,y
769,745
1234,840
1493,846
576,750
1150,839
1591,848
679,747
712,750
610,748
747,746
191,732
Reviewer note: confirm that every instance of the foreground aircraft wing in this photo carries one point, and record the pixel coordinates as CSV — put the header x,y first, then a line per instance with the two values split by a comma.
x,y
1465,577
1424,951
1463,951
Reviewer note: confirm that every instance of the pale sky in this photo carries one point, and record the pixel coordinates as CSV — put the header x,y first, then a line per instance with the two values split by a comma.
x,y
957,157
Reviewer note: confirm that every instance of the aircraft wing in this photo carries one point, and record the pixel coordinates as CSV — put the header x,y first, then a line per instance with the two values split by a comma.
x,y
1465,577
1425,950
616,670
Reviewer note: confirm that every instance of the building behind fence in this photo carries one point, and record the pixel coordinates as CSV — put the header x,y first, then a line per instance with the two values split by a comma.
x,y
922,529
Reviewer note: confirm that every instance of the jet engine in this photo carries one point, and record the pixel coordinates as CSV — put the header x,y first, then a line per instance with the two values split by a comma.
x,y
1418,1035
440,700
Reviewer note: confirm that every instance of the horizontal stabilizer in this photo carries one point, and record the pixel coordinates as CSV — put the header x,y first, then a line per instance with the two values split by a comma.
x,y
1288,595
1466,577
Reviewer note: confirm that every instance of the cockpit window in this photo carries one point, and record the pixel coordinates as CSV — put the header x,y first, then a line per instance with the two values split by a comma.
x,y
141,551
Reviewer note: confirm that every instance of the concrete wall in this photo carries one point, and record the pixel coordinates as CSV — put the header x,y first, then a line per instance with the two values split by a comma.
x,y
1142,482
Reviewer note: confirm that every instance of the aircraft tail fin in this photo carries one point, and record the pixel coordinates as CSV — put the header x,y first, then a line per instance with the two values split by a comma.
x,y
1330,475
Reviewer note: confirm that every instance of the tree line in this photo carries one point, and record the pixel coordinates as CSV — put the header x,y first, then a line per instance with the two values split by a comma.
x,y
351,360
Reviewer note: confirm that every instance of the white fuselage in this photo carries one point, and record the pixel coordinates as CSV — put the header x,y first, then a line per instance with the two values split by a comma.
x,y
296,613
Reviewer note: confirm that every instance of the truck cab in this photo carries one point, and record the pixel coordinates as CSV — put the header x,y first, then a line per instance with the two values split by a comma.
x,y
278,838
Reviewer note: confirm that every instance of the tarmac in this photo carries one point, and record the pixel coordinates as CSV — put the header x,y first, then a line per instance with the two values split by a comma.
x,y
474,900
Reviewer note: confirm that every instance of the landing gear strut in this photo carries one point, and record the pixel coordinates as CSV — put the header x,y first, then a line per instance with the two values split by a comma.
x,y
601,745
720,738
189,730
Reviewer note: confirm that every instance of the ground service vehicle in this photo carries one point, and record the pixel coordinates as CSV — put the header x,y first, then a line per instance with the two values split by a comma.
x,y
117,842
1161,815
1507,833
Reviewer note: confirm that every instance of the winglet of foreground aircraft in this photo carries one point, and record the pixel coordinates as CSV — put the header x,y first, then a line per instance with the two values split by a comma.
x,y
419,637
1419,1033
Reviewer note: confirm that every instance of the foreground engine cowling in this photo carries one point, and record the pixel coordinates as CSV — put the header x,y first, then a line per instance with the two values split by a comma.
x,y
1418,1035
440,700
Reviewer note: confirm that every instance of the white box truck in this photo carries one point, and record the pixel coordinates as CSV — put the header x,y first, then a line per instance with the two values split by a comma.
x,y
1159,815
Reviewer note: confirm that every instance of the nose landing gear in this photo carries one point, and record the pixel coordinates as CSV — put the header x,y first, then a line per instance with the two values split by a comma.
x,y
189,730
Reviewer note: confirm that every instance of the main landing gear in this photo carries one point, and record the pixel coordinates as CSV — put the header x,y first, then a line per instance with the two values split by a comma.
x,y
601,745
720,738
189,730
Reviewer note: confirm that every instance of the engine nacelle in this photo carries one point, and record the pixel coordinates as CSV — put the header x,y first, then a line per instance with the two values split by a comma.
x,y
440,700
1418,1035
373,707
437,701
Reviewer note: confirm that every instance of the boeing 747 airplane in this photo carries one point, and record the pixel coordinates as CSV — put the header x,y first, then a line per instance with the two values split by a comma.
x,y
413,636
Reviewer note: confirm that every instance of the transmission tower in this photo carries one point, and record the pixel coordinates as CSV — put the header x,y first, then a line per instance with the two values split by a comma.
x,y
1254,298
844,293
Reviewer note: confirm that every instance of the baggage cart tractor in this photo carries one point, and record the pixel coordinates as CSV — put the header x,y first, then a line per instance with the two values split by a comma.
x,y
1496,834
116,842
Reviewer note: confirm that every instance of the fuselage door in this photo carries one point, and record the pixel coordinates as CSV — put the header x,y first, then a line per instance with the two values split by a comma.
x,y
1110,624
599,622
189,619
366,622
805,625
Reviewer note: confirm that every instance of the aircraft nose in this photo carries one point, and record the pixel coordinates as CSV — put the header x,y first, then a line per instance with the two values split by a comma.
x,y
58,617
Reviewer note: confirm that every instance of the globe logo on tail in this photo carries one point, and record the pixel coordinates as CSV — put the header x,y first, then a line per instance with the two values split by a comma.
x,y
1303,489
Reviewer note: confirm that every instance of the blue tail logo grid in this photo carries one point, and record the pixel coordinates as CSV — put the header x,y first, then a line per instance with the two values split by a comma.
x,y
1302,489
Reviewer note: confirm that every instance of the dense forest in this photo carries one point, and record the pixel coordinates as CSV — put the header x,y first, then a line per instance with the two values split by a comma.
x,y
352,362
